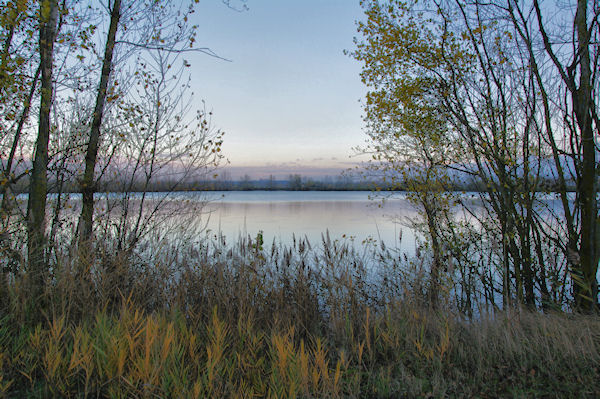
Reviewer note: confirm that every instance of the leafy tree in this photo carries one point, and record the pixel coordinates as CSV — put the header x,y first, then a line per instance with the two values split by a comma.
x,y
475,68
109,100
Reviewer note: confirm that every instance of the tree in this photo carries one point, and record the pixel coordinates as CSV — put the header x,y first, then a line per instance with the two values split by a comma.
x,y
154,137
409,149
148,27
17,88
295,182
159,29
579,73
475,66
88,180
36,205
88,112
246,183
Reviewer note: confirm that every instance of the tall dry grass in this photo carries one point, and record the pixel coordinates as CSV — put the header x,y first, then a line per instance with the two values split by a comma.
x,y
254,320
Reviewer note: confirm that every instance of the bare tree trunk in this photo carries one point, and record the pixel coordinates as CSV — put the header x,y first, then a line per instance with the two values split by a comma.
x,y
88,184
36,205
433,225
586,292
584,261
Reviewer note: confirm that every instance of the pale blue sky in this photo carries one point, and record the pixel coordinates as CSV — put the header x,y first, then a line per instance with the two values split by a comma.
x,y
290,97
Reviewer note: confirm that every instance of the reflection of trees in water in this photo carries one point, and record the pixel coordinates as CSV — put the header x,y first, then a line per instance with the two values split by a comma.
x,y
281,219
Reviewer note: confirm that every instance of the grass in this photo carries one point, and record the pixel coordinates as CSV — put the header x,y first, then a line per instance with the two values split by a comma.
x,y
241,320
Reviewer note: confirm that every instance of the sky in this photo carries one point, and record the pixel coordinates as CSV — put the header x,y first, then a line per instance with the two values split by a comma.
x,y
289,98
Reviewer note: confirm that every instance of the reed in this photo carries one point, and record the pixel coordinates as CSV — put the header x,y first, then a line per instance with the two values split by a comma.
x,y
245,320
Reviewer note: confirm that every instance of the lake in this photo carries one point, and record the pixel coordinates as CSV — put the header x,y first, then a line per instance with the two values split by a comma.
x,y
351,216
281,215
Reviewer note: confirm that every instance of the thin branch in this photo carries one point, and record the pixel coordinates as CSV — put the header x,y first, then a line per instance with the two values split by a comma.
x,y
204,50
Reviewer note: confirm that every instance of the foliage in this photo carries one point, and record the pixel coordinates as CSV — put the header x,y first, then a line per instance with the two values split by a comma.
x,y
465,87
124,115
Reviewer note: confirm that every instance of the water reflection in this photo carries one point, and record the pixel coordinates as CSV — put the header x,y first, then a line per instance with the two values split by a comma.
x,y
280,215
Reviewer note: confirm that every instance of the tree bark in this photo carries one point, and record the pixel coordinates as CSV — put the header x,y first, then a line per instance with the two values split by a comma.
x,y
36,204
583,261
88,183
436,248
586,291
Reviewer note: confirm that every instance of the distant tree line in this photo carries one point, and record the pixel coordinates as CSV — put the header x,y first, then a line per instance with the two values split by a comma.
x,y
294,182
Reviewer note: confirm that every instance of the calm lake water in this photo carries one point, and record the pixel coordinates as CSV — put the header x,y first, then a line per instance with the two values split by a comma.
x,y
279,215
346,215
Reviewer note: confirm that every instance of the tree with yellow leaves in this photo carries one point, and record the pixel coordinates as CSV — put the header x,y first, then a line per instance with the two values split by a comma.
x,y
509,103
